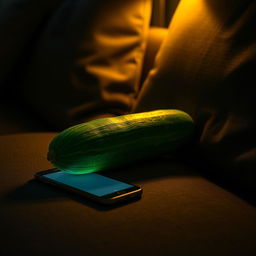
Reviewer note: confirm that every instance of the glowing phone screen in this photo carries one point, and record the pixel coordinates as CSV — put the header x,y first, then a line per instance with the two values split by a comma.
x,y
92,183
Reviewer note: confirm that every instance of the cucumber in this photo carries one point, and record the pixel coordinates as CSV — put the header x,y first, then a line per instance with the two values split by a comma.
x,y
107,143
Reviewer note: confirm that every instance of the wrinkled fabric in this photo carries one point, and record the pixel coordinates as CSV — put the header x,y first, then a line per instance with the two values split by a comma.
x,y
206,67
88,60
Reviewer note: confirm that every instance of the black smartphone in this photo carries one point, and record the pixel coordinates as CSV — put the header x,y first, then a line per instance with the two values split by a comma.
x,y
94,186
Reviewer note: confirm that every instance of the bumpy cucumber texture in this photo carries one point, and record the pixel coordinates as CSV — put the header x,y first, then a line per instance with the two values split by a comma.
x,y
107,143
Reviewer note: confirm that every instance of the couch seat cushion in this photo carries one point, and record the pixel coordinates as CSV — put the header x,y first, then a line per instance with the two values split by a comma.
x,y
180,212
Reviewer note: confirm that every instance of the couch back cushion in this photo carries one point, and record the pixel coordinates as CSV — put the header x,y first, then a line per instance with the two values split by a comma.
x,y
88,60
20,22
206,67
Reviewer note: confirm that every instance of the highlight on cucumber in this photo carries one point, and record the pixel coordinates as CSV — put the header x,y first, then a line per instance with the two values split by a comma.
x,y
107,143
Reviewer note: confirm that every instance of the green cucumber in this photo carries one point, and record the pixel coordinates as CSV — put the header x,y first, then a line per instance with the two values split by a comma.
x,y
107,143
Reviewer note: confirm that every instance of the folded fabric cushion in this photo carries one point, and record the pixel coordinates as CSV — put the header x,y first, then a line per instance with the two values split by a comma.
x,y
19,22
206,67
88,61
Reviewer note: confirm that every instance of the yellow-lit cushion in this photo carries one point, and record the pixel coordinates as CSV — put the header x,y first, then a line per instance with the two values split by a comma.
x,y
88,61
206,67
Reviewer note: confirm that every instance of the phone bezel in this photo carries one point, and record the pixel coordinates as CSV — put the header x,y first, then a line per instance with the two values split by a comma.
x,y
134,191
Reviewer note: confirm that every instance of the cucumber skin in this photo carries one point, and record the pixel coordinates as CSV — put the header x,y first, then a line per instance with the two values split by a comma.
x,y
107,143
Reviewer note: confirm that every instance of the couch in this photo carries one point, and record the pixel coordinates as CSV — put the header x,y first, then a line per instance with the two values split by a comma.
x,y
183,210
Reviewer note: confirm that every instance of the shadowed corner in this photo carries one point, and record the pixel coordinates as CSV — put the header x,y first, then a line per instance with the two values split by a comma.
x,y
34,191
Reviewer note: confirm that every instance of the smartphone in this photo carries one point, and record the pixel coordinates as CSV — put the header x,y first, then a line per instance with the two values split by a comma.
x,y
93,186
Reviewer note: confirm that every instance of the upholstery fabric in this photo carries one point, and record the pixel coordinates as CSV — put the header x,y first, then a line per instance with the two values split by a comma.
x,y
17,116
88,60
179,214
206,67
156,36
